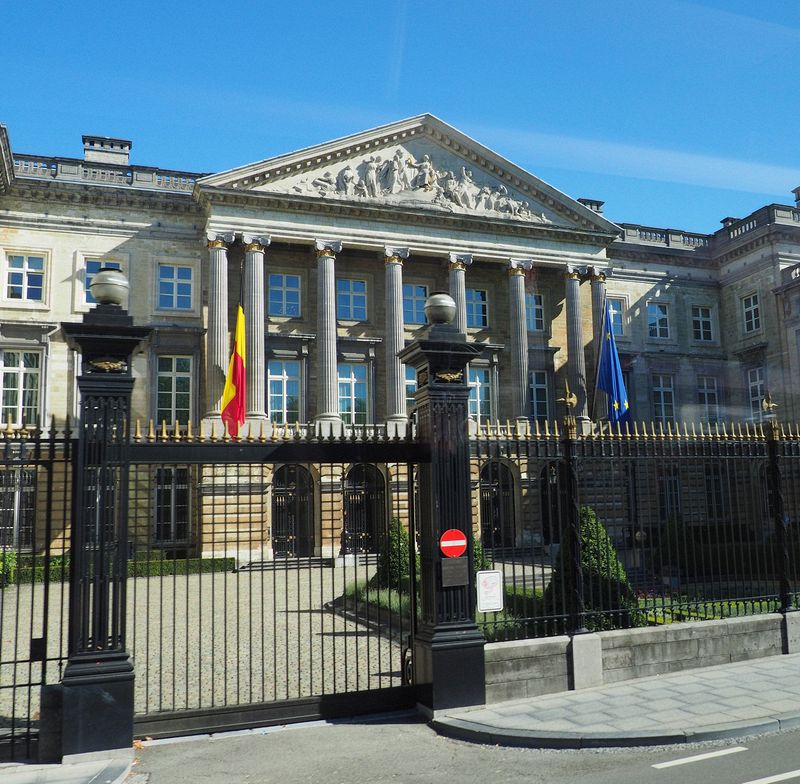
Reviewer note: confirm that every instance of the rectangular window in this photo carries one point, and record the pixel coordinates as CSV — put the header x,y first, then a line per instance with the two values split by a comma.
x,y
663,399
283,383
351,300
21,386
480,394
751,313
756,386
284,295
174,389
174,287
172,506
616,307
93,266
534,312
411,387
353,393
707,398
477,308
657,320
414,297
25,278
701,323
17,508
538,393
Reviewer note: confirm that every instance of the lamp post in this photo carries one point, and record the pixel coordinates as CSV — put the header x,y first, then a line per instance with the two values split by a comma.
x,y
97,685
448,646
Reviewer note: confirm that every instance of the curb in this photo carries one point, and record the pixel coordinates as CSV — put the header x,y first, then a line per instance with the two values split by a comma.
x,y
474,732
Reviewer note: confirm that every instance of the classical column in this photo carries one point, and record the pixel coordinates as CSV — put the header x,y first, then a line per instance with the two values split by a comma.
x,y
327,375
576,363
395,378
255,324
217,347
598,279
519,337
458,290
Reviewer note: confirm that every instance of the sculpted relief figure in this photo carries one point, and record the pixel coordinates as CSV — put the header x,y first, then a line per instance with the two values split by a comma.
x,y
374,178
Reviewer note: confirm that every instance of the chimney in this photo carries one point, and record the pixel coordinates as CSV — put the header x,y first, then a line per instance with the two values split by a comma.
x,y
593,204
103,149
796,193
729,221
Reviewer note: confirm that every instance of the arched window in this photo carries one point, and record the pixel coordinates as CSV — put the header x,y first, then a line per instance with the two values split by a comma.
x,y
292,512
364,509
498,525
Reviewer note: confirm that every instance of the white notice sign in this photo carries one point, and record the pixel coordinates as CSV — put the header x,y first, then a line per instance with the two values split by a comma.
x,y
490,591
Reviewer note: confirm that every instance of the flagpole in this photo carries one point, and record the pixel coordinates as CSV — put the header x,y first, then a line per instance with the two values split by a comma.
x,y
599,355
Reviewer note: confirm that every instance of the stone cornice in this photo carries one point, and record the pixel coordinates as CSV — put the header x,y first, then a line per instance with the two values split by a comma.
x,y
423,126
104,196
416,216
6,161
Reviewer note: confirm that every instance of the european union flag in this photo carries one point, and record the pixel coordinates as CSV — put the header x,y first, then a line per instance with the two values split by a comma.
x,y
609,375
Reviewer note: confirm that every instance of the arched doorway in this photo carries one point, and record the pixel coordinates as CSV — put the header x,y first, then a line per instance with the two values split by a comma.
x,y
364,509
292,512
497,505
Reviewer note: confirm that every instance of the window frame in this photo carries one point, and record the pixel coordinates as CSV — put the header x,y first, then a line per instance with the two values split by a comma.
x,y
477,308
284,379
476,400
174,375
533,386
27,253
19,371
622,312
284,289
414,305
350,294
703,391
410,386
702,321
751,313
534,312
760,385
349,417
658,391
658,327
172,486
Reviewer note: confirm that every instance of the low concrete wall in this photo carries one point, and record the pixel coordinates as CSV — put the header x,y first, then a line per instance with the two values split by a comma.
x,y
637,653
529,668
526,668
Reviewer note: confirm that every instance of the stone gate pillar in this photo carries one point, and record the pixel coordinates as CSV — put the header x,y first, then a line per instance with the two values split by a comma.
x,y
448,646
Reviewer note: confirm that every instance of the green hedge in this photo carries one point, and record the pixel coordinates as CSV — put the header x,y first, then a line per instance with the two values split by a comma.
x,y
22,570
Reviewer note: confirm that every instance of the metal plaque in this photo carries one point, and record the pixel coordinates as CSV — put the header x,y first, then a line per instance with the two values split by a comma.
x,y
455,572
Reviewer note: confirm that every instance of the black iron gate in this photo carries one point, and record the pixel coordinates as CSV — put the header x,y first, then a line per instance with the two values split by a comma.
x,y
277,614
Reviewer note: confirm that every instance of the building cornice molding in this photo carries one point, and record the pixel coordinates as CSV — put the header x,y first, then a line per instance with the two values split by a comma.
x,y
7,176
394,214
104,196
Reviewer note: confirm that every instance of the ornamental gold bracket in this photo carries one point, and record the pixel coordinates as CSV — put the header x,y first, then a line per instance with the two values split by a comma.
x,y
109,365
449,377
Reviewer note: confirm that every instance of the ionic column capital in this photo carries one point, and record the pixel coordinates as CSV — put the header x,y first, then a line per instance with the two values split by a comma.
x,y
327,248
394,255
219,240
519,266
598,274
574,272
460,261
257,243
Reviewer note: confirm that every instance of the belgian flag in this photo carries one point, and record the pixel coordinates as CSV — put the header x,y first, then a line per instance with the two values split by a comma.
x,y
233,396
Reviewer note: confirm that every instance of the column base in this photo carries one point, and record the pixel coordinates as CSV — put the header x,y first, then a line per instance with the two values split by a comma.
x,y
449,668
97,703
397,427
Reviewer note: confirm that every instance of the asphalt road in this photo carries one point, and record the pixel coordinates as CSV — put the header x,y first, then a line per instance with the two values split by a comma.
x,y
403,749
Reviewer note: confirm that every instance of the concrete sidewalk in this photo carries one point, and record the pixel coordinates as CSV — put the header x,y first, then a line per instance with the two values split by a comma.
x,y
726,701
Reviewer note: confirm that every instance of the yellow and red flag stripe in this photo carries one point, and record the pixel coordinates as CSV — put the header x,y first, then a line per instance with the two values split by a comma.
x,y
233,396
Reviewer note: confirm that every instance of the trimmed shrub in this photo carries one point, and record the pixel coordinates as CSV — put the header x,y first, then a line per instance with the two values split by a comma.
x,y
394,569
480,561
608,598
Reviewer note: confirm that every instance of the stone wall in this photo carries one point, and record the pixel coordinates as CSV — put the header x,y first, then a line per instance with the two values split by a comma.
x,y
529,668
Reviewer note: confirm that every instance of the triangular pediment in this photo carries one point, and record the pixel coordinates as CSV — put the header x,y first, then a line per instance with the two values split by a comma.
x,y
421,162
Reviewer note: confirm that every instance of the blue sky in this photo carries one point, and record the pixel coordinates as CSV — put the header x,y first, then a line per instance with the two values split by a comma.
x,y
676,114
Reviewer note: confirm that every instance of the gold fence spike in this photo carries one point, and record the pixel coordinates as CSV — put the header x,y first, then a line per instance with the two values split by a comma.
x,y
163,435
177,434
189,433
297,434
546,428
137,431
635,429
151,431
724,431
262,436
555,428
669,429
214,431
9,431
537,432
783,432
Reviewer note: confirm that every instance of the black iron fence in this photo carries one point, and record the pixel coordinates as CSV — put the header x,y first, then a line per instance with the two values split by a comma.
x,y
647,528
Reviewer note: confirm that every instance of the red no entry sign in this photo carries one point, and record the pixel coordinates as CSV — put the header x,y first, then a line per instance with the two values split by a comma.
x,y
453,543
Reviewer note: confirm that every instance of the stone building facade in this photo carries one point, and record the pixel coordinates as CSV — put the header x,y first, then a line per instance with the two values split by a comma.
x,y
332,251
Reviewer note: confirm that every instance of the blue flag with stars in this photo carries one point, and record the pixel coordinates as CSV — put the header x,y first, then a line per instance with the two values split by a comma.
x,y
609,375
